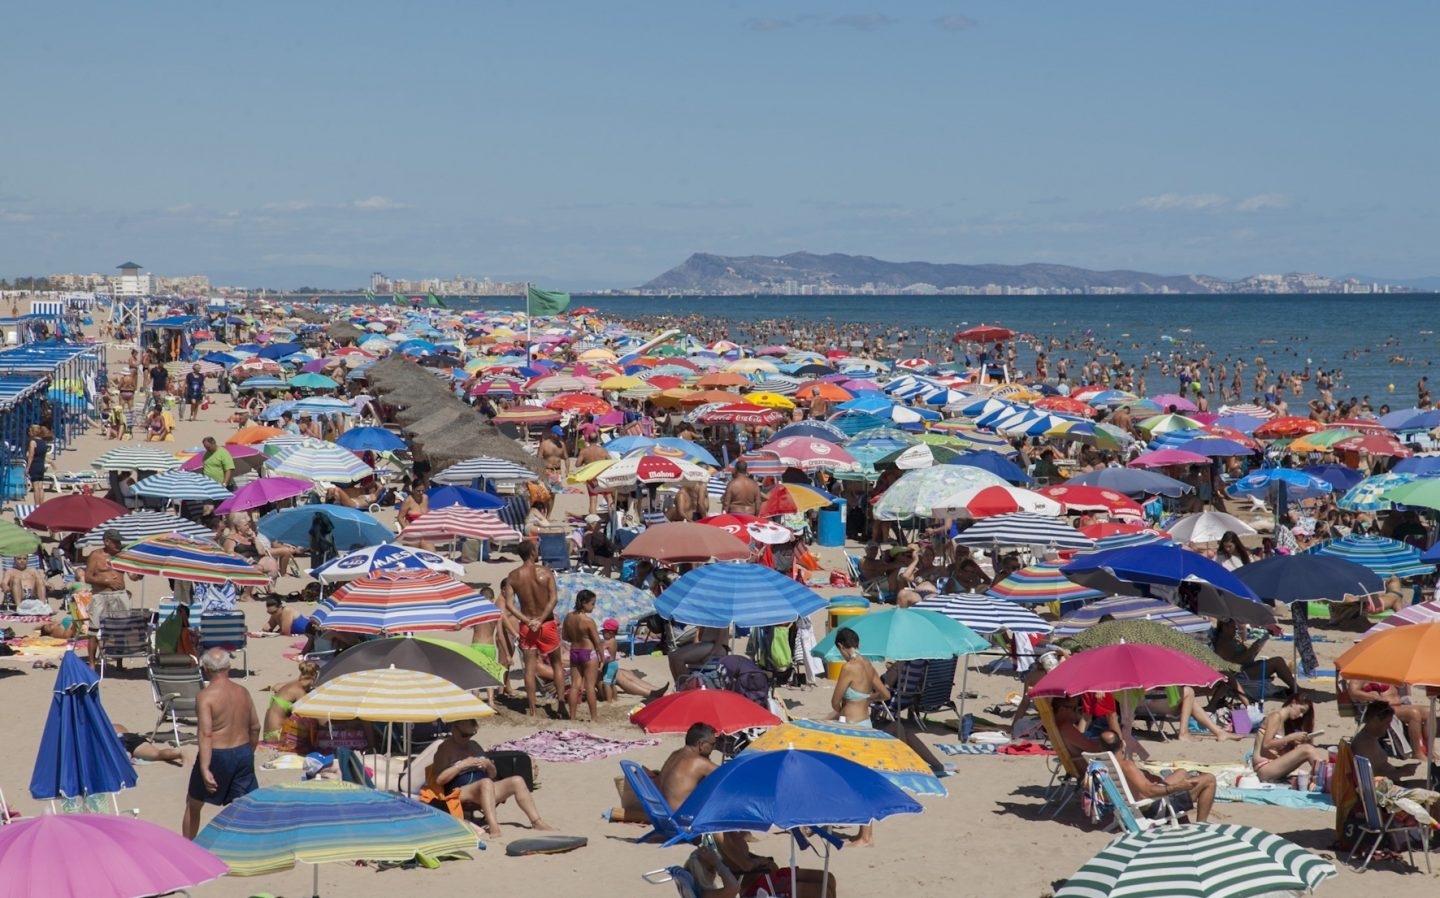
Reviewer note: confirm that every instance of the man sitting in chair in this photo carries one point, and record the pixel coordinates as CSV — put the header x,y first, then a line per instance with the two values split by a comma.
x,y
461,765
1185,791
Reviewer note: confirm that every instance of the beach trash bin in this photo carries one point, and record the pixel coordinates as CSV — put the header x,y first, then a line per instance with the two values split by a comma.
x,y
843,608
830,529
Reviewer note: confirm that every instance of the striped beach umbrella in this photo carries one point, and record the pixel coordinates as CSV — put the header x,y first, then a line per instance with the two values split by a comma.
x,y
135,458
319,461
457,521
1386,557
384,557
1024,529
145,523
986,614
613,598
1424,613
1370,493
328,821
404,602
182,486
749,595
875,749
1125,608
1202,860
391,695
484,468
1042,582
1144,537
181,558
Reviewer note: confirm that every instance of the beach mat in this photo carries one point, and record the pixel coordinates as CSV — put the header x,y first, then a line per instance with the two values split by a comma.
x,y
569,746
1278,797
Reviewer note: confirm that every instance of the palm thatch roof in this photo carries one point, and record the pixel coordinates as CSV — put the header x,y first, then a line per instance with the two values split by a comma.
x,y
345,332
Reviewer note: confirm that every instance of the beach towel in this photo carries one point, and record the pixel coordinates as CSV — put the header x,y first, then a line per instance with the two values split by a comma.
x,y
567,746
1277,795
951,748
1023,748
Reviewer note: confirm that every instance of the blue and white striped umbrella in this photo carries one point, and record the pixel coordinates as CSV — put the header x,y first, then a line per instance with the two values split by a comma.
x,y
181,486
143,524
262,382
319,461
747,595
323,405
1127,540
484,468
1386,557
136,458
613,598
1024,529
384,557
985,614
1130,608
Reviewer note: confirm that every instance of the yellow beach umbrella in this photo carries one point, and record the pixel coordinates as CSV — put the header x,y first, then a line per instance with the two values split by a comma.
x,y
590,472
393,696
876,749
598,354
770,400
622,382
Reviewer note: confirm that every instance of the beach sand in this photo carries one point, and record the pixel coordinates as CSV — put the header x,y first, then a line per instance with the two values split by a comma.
x,y
986,838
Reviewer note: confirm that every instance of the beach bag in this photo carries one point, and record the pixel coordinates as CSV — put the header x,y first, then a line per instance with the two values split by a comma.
x,y
781,657
539,493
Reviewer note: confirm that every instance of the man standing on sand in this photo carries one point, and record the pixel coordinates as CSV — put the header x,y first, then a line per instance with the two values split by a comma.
x,y
534,587
742,494
229,729
107,587
217,463
593,451
687,766
194,390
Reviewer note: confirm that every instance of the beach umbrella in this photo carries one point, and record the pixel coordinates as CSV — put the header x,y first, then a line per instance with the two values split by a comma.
x,y
1125,666
1370,494
1101,436
985,614
1423,613
248,459
613,598
143,524
463,496
993,462
1386,557
1338,476
371,439
412,654
923,455
1306,578
16,540
746,595
1148,632
1130,608
484,468
182,558
1207,527
135,458
1401,656
679,542
253,434
351,528
1164,458
983,333
328,821
110,857
1321,440
1374,444
403,601
1200,860
1220,593
726,711
264,491
917,493
1132,482
685,450
1094,498
323,405
905,634
1023,529
459,522
819,430
811,454
795,498
610,474
79,754
180,486
313,382
384,557
1419,465
1286,427
873,749
1214,447
988,501
1169,423
1145,537
391,695
1423,492
319,461
1042,582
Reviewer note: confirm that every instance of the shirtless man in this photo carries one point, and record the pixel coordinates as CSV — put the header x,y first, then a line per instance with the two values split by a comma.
x,y
229,730
552,453
534,588
106,584
593,451
23,582
1185,791
687,766
460,763
742,494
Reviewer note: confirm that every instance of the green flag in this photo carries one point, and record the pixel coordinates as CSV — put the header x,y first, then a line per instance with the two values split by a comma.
x,y
545,302
397,299
369,295
434,301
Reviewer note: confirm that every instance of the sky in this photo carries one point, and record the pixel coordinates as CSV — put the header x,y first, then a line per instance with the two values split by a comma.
x,y
593,145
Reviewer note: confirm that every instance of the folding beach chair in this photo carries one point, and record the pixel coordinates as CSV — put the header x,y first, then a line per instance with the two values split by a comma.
x,y
555,551
175,683
924,687
1137,810
124,636
666,825
1379,822
225,631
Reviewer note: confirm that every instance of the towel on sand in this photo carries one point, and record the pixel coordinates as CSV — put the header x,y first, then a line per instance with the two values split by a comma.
x,y
571,745
1280,797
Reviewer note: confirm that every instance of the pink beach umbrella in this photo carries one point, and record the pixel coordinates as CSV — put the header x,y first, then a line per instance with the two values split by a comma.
x,y
1165,400
1123,666
263,492
1161,458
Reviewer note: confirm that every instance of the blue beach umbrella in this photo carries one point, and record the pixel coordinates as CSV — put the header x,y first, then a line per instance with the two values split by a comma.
x,y
1305,578
1215,447
352,527
613,598
1133,482
182,486
1338,476
624,445
748,595
1280,482
1419,465
1369,494
1386,557
1221,593
279,350
464,496
372,439
384,557
1126,608
995,463
79,752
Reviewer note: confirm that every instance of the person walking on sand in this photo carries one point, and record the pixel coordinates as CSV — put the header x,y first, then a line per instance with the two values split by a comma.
x,y
229,729
532,600
194,390
580,631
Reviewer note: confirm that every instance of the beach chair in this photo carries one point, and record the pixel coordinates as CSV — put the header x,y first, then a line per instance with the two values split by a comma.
x,y
1139,809
175,683
1156,721
666,826
124,636
924,687
1064,772
1379,822
1106,796
555,551
225,631
685,885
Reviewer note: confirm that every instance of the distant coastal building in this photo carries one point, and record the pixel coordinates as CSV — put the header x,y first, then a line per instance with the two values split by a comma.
x,y
131,282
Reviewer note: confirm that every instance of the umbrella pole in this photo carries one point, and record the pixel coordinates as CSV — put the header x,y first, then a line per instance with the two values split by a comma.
x,y
1430,744
964,688
794,874
315,883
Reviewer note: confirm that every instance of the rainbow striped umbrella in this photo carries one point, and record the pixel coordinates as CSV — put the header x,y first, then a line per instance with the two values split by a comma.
x,y
328,821
1042,582
391,695
457,521
180,558
404,601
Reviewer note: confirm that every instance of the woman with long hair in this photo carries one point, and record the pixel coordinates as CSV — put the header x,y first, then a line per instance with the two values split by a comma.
x,y
1231,554
1283,741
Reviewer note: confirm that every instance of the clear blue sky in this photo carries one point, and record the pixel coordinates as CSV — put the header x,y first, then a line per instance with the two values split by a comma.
x,y
597,144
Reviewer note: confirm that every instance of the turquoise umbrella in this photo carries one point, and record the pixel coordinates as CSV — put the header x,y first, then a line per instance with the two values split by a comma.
x,y
905,634
312,381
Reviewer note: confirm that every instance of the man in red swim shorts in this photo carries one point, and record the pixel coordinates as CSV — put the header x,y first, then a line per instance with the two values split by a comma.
x,y
533,587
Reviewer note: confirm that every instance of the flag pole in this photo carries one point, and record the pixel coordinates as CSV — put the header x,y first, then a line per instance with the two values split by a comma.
x,y
528,344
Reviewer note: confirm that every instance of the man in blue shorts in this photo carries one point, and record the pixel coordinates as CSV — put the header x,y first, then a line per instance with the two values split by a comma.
x,y
229,730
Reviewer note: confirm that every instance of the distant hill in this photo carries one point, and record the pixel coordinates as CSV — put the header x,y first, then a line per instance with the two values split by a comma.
x,y
712,274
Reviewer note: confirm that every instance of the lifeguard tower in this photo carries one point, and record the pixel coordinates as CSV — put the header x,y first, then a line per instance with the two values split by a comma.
x,y
129,298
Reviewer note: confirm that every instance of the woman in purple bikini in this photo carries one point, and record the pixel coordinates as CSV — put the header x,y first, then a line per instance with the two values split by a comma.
x,y
580,631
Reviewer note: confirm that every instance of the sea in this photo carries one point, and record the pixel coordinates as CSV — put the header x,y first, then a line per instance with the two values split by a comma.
x,y
1377,345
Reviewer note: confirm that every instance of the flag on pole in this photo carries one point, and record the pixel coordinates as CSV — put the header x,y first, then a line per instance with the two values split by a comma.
x,y
369,295
545,302
397,299
434,301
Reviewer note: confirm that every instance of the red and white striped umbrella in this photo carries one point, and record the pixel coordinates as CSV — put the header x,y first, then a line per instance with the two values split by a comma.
x,y
454,521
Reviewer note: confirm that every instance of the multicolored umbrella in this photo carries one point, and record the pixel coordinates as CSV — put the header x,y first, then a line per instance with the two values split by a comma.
x,y
264,491
726,711
391,695
747,595
1125,666
1201,859
1386,557
319,461
1042,582
985,614
459,522
135,458
76,512
181,486
384,557
1371,494
917,493
145,523
386,602
1128,608
905,634
988,501
613,598
181,558
611,474
870,748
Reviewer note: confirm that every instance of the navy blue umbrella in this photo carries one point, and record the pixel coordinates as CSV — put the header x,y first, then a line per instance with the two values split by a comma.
x,y
445,496
749,595
1215,447
995,463
1305,578
1423,465
1338,476
79,753
280,350
373,439
1133,482
1221,593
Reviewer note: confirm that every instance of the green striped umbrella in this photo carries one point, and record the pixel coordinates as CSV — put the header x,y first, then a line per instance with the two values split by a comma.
x,y
1204,860
1149,632
16,540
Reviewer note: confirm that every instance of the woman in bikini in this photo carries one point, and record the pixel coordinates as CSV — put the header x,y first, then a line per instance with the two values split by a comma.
x,y
417,503
579,630
283,697
858,684
1282,744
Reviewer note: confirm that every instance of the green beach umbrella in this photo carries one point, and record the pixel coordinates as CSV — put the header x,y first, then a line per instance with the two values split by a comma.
x,y
1168,424
1200,860
16,540
1424,492
472,653
1148,632
905,634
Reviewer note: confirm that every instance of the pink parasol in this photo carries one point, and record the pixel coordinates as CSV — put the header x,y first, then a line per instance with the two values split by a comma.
x,y
1116,668
810,453
263,492
456,521
1161,458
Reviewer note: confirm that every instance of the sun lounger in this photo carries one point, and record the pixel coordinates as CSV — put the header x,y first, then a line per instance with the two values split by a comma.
x,y
1137,810
1065,773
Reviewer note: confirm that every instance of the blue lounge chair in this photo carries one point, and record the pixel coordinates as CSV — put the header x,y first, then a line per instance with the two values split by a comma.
x,y
666,827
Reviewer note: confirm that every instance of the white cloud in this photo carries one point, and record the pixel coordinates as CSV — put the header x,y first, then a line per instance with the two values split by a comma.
x,y
1265,201
869,22
378,204
1185,202
289,206
955,23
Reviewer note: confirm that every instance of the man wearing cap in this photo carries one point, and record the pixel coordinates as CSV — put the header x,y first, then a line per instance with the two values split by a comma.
x,y
598,548
109,597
